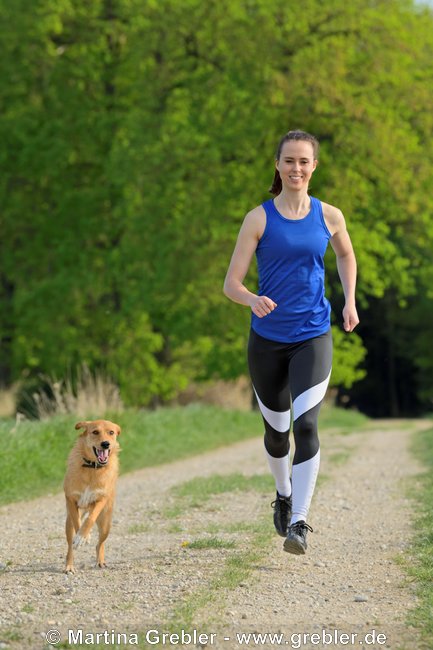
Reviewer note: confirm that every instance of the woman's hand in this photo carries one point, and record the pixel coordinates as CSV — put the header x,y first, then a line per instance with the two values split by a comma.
x,y
262,306
350,317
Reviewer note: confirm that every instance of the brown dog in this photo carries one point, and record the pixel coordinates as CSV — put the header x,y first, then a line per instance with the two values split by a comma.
x,y
90,484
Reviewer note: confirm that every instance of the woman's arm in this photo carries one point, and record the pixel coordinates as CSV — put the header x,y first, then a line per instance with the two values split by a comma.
x,y
249,235
346,263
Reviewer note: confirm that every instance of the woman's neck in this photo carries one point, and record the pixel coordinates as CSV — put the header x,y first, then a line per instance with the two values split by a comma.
x,y
294,205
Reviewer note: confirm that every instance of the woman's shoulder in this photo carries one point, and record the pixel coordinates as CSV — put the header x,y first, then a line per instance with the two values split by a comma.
x,y
257,215
255,221
333,216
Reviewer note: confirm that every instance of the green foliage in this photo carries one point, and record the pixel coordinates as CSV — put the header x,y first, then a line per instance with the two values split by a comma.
x,y
348,356
132,359
137,134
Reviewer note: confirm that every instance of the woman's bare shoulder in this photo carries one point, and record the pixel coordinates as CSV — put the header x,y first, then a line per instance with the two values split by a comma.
x,y
334,218
255,220
256,213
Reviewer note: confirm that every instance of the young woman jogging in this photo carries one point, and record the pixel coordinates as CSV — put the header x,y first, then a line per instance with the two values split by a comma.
x,y
290,343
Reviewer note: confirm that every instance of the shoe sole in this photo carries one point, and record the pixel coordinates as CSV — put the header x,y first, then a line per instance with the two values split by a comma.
x,y
294,547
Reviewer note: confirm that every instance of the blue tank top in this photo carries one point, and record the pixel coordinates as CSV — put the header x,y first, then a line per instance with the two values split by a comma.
x,y
292,273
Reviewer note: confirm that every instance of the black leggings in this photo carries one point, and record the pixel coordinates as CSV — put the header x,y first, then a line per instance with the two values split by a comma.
x,y
290,377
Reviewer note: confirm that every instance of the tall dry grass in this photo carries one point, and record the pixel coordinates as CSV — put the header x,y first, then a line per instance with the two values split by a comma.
x,y
90,394
8,397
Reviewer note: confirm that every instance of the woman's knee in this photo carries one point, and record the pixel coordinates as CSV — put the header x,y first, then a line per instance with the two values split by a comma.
x,y
306,438
305,426
276,444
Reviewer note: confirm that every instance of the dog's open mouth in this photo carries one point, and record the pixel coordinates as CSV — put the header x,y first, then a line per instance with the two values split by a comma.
x,y
102,455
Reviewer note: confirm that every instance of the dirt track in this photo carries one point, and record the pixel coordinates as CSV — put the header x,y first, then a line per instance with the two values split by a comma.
x,y
348,582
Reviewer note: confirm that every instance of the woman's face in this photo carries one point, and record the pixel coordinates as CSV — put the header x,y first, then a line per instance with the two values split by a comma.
x,y
296,164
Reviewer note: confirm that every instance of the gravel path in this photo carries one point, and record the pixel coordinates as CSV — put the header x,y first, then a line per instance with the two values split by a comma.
x,y
349,580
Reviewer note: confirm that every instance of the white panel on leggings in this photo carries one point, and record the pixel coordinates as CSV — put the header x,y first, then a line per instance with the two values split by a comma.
x,y
310,398
304,477
280,471
279,420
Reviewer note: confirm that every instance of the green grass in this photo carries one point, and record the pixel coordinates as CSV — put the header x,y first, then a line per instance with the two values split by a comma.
x,y
34,453
206,487
137,529
346,420
196,492
340,457
421,564
11,635
238,527
206,543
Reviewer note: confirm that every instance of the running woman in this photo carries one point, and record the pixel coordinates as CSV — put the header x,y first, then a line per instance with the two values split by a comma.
x,y
290,343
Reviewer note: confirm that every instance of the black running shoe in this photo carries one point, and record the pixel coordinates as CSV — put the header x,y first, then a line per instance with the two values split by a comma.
x,y
296,540
282,513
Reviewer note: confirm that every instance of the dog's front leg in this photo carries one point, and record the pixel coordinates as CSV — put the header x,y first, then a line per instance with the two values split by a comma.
x,y
72,526
84,532
104,525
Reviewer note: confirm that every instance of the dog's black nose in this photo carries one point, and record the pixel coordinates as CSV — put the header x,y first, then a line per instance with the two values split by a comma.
x,y
105,444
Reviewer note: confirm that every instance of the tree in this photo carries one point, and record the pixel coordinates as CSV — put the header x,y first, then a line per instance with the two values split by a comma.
x,y
137,135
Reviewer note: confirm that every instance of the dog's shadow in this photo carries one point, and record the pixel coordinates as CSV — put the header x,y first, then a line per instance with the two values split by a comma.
x,y
29,568
115,566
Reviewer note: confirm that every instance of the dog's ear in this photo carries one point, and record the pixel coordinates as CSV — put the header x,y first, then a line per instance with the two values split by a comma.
x,y
81,425
118,429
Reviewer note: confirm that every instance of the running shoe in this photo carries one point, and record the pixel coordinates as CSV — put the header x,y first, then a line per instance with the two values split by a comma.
x,y
282,512
296,540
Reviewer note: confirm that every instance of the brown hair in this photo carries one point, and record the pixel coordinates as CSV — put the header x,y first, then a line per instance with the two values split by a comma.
x,y
277,185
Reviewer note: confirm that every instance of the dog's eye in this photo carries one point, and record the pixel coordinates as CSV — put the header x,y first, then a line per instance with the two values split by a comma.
x,y
95,432
111,433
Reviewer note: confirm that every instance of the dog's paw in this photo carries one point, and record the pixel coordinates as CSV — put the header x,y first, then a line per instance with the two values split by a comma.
x,y
79,540
100,565
70,570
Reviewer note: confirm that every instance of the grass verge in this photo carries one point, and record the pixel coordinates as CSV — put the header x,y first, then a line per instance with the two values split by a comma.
x,y
421,565
344,420
34,453
196,492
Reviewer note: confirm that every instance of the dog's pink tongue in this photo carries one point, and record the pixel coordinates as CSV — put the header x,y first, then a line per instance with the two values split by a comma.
x,y
102,455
